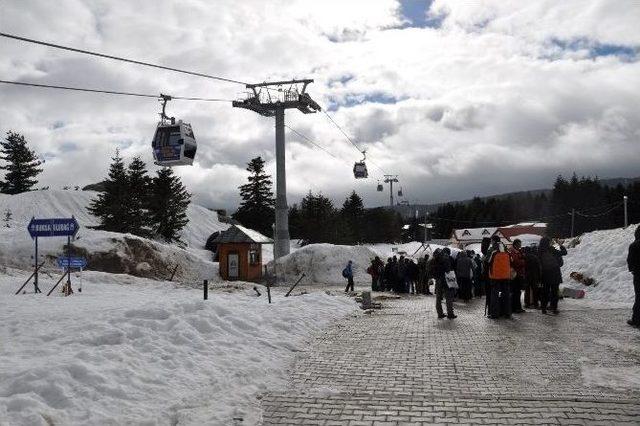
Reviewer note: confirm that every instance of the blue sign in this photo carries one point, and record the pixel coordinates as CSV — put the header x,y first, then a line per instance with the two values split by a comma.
x,y
76,262
56,227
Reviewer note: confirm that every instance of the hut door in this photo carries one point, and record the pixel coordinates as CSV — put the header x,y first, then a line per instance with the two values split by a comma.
x,y
233,265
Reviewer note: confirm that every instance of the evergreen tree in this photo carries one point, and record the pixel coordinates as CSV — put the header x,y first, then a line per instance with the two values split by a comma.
x,y
256,210
294,222
381,225
317,219
168,202
138,184
22,164
112,206
351,216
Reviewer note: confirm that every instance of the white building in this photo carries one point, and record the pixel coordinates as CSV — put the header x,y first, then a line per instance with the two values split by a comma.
x,y
464,237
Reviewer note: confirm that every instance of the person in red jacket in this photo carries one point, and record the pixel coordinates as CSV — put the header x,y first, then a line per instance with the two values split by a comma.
x,y
517,283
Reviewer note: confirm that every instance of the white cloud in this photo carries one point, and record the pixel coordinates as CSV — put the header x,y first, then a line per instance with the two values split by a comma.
x,y
485,103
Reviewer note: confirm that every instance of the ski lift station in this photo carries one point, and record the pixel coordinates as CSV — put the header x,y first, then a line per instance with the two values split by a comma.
x,y
240,253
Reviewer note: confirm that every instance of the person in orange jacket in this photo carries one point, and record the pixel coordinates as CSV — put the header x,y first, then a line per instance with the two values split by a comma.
x,y
499,264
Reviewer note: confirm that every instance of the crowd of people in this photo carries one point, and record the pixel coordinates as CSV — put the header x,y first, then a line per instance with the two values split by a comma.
x,y
504,276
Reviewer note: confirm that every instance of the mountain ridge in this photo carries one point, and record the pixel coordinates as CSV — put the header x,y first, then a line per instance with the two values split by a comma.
x,y
408,210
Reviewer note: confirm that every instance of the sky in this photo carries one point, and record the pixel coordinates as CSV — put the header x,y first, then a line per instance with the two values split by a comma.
x,y
458,98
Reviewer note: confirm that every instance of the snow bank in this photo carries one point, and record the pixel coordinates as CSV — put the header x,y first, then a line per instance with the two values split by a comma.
x,y
132,351
106,251
602,255
323,263
58,203
412,249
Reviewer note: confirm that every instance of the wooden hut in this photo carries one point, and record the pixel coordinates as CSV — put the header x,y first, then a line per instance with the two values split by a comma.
x,y
240,253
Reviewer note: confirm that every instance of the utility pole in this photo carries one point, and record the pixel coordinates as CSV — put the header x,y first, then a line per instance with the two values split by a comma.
x,y
626,217
390,179
426,213
573,220
269,100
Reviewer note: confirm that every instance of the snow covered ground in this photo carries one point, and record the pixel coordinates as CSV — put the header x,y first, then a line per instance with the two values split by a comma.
x,y
602,255
107,251
133,351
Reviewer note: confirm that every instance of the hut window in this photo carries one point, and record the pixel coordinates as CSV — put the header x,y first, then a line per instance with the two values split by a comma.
x,y
254,257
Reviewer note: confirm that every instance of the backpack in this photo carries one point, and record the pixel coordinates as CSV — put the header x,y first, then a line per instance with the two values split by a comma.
x,y
345,273
500,268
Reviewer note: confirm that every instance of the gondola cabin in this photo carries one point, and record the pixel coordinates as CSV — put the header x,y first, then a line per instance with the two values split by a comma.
x,y
360,170
380,188
174,144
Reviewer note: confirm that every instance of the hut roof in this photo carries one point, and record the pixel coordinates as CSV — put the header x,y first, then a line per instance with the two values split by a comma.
x,y
240,234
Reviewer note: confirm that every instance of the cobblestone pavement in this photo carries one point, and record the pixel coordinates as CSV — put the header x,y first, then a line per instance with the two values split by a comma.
x,y
401,365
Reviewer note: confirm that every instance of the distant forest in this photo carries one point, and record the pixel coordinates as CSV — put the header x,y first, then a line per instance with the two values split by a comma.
x,y
597,206
317,220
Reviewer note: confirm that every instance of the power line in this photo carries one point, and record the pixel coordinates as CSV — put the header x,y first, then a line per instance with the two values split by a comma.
x,y
600,214
110,92
351,140
314,143
342,131
118,58
311,141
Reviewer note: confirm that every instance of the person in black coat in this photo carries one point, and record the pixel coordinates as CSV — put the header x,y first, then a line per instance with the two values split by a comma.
x,y
442,265
532,279
485,245
550,264
633,261
464,274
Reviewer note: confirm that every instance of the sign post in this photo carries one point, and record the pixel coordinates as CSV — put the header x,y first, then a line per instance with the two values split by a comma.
x,y
66,263
54,227
35,273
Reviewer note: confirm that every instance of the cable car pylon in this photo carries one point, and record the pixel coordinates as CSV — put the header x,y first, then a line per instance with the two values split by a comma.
x,y
390,179
270,104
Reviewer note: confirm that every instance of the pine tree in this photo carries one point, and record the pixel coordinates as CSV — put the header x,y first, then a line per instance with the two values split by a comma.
x,y
168,202
294,221
138,184
112,206
317,219
351,216
22,164
256,209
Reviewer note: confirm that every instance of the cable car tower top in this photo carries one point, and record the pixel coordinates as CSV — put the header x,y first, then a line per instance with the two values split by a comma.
x,y
270,99
266,102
